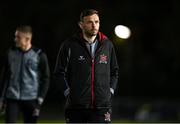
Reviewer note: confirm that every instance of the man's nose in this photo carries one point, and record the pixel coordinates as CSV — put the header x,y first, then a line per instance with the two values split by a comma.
x,y
93,24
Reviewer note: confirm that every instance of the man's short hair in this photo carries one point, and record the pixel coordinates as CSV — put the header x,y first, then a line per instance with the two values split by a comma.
x,y
24,29
88,12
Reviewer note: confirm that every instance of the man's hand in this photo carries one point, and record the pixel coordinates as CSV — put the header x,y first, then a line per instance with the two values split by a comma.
x,y
36,112
2,107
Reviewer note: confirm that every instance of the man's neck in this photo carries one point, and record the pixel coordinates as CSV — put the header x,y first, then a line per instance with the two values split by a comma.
x,y
90,40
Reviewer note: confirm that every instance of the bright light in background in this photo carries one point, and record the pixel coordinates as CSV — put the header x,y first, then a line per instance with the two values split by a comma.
x,y
122,31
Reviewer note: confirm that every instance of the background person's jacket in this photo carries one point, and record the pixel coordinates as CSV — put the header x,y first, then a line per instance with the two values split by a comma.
x,y
86,80
26,75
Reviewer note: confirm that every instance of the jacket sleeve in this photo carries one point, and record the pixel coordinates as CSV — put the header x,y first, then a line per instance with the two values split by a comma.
x,y
61,69
44,77
114,70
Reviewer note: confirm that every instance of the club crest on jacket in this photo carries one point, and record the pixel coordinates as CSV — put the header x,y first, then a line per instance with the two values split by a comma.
x,y
103,59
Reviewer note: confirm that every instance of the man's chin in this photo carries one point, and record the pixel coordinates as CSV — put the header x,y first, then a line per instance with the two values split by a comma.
x,y
94,33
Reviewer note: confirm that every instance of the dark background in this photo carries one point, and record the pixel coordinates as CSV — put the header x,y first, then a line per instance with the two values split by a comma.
x,y
149,60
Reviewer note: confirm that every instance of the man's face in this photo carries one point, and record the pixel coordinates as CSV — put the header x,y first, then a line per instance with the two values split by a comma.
x,y
22,39
90,25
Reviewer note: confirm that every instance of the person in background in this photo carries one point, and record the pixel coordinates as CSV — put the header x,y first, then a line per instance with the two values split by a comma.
x,y
25,79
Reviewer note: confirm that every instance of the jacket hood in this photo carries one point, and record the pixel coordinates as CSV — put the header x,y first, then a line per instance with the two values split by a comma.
x,y
101,36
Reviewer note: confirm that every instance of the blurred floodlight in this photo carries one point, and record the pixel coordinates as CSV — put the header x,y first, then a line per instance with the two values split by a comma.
x,y
122,31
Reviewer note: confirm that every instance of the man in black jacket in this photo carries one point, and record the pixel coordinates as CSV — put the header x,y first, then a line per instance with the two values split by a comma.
x,y
25,78
88,69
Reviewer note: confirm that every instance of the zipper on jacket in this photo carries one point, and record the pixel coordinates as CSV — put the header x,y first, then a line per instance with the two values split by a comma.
x,y
92,85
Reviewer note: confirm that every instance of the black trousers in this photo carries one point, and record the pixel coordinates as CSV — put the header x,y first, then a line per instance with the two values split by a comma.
x,y
13,108
88,115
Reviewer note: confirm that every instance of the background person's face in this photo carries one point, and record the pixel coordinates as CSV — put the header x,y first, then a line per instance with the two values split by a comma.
x,y
22,39
90,25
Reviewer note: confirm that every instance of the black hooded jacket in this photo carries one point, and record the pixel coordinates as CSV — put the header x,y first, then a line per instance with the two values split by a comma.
x,y
87,80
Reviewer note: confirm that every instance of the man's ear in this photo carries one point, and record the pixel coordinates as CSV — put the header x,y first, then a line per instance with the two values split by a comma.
x,y
28,37
80,24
